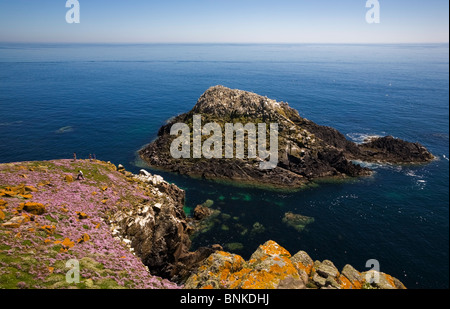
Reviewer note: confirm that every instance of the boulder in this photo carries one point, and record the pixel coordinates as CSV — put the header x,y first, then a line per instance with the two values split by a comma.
x,y
68,178
303,262
381,280
327,269
201,212
33,208
350,278
16,221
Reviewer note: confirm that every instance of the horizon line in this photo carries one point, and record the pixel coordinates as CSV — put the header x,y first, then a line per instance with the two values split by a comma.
x,y
226,43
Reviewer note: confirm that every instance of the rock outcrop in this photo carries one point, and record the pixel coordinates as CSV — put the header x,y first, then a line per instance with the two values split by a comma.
x,y
158,230
272,267
306,151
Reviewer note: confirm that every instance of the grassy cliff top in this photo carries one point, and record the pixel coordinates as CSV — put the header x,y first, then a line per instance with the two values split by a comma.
x,y
48,217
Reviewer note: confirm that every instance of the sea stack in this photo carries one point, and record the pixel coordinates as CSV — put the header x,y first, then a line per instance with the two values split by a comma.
x,y
306,151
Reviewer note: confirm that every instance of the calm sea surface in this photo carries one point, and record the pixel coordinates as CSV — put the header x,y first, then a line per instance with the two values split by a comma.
x,y
111,100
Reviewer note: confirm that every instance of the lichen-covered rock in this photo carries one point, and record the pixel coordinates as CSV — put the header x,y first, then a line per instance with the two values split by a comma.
x,y
382,281
33,208
269,267
272,267
350,278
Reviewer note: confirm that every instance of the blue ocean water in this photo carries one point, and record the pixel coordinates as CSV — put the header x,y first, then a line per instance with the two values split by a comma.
x,y
111,100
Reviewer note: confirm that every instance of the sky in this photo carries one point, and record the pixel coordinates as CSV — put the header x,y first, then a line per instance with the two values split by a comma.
x,y
225,21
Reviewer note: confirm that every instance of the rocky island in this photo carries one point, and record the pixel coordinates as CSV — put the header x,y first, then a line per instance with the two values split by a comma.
x,y
306,151
117,230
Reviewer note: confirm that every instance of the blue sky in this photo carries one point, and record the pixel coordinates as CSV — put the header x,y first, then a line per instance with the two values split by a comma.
x,y
225,21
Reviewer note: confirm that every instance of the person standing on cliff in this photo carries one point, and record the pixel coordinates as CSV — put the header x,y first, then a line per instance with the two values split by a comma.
x,y
75,156
80,175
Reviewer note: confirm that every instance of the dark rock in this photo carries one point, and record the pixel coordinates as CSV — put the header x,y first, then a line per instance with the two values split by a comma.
x,y
202,212
394,150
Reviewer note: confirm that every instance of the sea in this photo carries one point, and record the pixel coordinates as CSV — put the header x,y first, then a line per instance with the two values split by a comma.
x,y
110,100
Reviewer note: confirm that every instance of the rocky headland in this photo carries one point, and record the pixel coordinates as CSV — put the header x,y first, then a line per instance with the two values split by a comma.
x,y
125,230
129,231
306,151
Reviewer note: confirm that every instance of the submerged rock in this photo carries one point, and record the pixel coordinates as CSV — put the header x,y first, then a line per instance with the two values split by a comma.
x,y
234,246
297,221
258,228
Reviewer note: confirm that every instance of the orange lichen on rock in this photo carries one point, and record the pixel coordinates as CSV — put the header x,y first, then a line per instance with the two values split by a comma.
x,y
344,283
2,215
8,193
44,183
272,267
33,208
273,249
26,196
50,229
268,268
31,189
81,215
84,238
68,178
66,244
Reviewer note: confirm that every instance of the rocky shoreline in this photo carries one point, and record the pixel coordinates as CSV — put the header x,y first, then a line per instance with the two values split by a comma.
x,y
306,151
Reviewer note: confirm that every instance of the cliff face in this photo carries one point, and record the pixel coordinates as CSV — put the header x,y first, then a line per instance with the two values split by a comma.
x,y
158,230
306,151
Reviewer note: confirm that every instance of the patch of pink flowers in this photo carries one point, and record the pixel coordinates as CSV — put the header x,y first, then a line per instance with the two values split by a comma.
x,y
96,197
